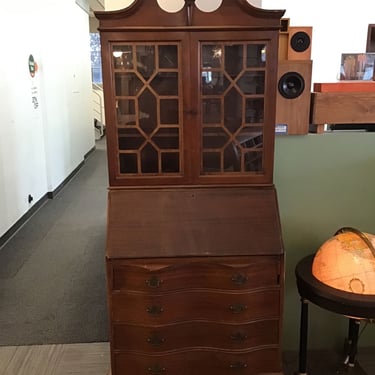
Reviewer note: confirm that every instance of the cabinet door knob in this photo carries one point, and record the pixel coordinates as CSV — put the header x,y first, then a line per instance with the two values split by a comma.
x,y
156,370
154,310
239,279
155,340
237,308
154,282
238,366
238,337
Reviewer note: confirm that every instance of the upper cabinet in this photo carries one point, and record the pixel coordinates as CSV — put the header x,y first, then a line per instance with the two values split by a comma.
x,y
190,96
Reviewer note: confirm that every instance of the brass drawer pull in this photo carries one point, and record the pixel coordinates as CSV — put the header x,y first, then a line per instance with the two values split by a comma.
x,y
239,279
154,282
156,370
238,366
237,308
155,340
154,310
238,336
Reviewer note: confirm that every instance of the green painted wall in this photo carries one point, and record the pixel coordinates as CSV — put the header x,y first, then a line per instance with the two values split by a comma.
x,y
324,182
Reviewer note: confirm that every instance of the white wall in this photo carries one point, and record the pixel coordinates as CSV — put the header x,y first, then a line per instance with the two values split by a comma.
x,y
338,28
119,4
40,147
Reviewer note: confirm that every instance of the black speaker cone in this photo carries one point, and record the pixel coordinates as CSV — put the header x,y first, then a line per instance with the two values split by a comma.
x,y
300,41
291,85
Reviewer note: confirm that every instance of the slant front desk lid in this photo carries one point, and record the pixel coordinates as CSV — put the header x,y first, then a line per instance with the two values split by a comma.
x,y
193,222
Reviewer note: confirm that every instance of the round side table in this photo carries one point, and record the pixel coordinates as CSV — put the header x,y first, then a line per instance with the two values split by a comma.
x,y
356,307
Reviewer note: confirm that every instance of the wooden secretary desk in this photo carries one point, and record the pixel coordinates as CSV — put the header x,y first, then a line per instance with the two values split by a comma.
x,y
194,252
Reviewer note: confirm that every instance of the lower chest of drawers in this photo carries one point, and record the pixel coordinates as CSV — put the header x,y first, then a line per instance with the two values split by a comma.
x,y
219,315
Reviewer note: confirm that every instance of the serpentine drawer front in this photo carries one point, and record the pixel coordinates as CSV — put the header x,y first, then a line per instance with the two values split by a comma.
x,y
220,315
230,274
200,362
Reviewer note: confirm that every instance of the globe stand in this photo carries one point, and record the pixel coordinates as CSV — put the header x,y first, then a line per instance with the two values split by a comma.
x,y
354,306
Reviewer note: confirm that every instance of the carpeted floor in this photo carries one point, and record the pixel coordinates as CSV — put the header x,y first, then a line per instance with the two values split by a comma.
x,y
52,274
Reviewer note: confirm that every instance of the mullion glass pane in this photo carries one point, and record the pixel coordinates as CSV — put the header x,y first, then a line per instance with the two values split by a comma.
x,y
146,80
232,92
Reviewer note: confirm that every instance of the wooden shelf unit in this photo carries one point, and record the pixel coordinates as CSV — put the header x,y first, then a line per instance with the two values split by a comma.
x,y
344,102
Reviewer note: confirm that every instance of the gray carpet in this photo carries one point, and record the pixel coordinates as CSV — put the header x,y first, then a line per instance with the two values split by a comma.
x,y
52,272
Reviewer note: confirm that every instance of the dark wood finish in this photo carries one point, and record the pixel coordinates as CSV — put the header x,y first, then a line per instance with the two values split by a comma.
x,y
185,222
182,274
188,335
341,108
195,260
195,305
252,362
234,23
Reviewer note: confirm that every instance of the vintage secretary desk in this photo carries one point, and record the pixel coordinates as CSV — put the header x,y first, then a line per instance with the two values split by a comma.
x,y
194,252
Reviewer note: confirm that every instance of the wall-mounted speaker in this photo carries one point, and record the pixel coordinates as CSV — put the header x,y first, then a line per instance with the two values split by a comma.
x,y
293,96
299,43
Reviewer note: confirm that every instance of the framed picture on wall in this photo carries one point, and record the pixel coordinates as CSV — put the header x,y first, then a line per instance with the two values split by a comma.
x,y
357,66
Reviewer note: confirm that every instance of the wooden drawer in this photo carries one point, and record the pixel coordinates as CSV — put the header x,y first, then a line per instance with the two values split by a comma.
x,y
199,362
142,308
195,334
160,275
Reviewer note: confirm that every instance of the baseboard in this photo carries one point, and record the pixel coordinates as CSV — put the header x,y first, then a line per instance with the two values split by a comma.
x,y
52,194
35,207
22,220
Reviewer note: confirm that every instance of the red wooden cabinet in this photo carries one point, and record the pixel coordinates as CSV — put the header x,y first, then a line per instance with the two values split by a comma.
x,y
194,252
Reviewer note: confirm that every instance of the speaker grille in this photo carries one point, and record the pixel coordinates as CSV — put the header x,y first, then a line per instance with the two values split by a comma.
x,y
300,41
291,85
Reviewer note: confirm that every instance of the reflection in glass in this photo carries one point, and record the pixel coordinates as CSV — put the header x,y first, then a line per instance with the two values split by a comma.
x,y
165,83
168,57
129,139
148,106
214,138
145,60
249,148
211,111
232,161
234,59
127,84
252,82
167,138
232,110
254,111
253,161
169,111
256,55
123,57
149,159
250,137
211,56
232,89
214,83
126,112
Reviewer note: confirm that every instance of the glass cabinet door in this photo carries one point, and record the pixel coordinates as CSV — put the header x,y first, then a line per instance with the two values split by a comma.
x,y
147,87
232,94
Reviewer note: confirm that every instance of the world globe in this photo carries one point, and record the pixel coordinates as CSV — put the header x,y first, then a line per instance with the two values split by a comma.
x,y
347,262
